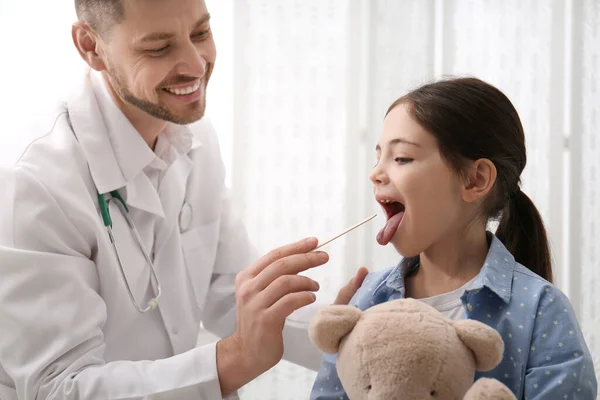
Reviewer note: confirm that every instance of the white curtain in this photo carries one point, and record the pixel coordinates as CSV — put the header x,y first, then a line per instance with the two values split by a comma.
x,y
585,189
296,168
298,97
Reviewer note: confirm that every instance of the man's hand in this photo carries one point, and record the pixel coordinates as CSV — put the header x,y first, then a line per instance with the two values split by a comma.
x,y
347,292
266,294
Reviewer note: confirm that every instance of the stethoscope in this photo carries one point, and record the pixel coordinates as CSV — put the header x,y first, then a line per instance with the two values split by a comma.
x,y
153,302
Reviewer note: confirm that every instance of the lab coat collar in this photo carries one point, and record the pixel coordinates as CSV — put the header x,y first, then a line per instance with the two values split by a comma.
x,y
115,152
91,132
129,148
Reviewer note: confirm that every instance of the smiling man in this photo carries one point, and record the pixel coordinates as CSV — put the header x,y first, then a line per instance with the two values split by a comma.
x,y
156,56
118,236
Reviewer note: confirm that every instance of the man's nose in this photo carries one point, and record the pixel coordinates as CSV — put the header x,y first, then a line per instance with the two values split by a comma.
x,y
193,63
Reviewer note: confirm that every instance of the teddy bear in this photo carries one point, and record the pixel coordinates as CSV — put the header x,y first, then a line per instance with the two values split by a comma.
x,y
406,349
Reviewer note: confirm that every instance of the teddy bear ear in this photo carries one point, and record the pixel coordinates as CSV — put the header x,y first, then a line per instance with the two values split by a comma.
x,y
329,326
485,343
489,389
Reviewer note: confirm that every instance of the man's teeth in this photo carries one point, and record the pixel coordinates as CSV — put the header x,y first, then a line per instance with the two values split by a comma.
x,y
186,90
386,201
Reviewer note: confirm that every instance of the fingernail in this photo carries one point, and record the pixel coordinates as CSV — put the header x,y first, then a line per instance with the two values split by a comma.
x,y
322,256
317,285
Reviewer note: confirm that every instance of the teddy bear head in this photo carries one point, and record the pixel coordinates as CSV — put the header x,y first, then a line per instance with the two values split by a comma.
x,y
405,349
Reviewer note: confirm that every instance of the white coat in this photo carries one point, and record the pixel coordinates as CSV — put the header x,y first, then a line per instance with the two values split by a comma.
x,y
68,329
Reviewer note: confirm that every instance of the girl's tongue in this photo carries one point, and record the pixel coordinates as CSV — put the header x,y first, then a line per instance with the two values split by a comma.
x,y
387,232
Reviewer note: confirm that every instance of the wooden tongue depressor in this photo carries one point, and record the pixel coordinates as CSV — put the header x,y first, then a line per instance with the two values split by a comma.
x,y
346,231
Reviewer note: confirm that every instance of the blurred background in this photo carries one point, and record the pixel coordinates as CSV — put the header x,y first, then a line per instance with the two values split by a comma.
x,y
298,97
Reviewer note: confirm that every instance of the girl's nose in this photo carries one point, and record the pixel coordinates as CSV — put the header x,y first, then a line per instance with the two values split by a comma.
x,y
378,175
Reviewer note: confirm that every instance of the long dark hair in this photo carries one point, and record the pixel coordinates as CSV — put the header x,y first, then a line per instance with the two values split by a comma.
x,y
472,119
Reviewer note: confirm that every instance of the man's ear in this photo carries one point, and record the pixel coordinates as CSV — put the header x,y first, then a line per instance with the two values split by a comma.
x,y
331,324
479,180
87,43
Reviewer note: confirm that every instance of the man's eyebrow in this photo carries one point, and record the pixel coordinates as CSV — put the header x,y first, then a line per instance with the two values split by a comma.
x,y
398,141
157,36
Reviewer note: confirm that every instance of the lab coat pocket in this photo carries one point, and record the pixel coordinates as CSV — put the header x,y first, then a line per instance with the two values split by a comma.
x,y
199,248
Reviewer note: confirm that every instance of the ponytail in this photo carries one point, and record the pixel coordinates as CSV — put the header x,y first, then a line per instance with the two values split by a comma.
x,y
523,233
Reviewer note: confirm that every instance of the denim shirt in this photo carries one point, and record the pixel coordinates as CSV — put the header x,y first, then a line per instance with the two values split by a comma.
x,y
545,355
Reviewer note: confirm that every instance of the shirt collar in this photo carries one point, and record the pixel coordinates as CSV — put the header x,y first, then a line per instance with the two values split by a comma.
x,y
496,274
497,271
176,141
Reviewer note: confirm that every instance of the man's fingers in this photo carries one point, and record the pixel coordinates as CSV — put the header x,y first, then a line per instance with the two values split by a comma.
x,y
288,304
283,286
302,246
290,265
347,292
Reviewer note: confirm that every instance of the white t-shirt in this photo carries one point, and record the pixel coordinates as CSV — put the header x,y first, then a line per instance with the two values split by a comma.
x,y
449,303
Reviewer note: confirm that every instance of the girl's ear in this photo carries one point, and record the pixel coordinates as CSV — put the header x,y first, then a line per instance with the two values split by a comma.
x,y
331,324
479,180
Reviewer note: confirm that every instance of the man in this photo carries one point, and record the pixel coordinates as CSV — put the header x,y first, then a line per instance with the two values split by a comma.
x,y
101,299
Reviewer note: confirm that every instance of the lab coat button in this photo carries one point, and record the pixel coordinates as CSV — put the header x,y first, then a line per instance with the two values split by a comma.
x,y
185,217
175,331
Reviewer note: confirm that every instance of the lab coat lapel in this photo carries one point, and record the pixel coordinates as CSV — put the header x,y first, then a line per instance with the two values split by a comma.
x,y
172,195
142,195
89,128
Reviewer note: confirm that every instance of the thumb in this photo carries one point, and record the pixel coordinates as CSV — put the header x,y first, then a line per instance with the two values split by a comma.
x,y
347,292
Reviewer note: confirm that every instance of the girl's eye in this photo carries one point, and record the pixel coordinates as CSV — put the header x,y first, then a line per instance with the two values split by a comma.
x,y
402,160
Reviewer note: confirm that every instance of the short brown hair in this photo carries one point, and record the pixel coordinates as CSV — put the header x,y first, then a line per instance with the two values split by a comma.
x,y
100,15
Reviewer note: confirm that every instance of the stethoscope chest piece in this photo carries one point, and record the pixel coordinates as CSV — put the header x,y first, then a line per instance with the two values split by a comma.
x,y
185,217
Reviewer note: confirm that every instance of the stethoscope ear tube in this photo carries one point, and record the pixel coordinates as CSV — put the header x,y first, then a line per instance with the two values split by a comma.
x,y
104,211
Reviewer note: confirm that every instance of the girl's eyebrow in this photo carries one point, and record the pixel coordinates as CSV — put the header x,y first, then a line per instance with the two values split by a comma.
x,y
398,141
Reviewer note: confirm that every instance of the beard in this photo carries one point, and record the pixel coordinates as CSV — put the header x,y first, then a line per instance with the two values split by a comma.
x,y
181,115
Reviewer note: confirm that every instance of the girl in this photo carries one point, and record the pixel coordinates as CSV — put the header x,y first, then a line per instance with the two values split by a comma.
x,y
449,160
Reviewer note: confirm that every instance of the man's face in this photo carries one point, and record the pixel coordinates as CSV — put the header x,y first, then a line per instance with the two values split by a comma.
x,y
160,58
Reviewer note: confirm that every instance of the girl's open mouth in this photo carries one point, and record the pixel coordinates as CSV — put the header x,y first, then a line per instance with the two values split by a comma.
x,y
394,211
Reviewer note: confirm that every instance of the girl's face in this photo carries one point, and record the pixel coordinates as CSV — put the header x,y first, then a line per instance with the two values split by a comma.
x,y
419,192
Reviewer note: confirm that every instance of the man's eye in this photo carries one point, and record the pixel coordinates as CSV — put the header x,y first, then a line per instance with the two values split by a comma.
x,y
159,50
402,160
201,35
